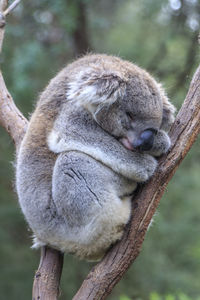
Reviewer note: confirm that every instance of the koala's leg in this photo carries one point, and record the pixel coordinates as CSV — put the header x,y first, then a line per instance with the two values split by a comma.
x,y
84,193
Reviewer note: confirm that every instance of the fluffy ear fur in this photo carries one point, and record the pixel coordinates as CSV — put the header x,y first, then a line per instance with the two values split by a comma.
x,y
92,88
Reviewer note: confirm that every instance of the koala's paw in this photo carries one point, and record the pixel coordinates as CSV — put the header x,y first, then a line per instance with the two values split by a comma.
x,y
148,167
161,144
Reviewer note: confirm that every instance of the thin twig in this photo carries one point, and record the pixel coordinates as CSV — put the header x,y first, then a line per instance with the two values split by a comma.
x,y
3,5
11,7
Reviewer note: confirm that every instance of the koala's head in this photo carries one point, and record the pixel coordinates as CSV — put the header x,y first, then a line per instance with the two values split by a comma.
x,y
123,99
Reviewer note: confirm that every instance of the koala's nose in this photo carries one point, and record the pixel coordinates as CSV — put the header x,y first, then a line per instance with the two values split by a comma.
x,y
145,141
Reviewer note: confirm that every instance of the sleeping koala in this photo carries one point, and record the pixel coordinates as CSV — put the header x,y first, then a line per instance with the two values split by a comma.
x,y
94,134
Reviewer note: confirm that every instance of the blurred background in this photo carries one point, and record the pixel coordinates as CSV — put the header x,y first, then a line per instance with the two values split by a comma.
x,y
161,36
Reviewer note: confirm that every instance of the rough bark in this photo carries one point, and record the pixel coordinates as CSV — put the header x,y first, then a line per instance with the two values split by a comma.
x,y
109,271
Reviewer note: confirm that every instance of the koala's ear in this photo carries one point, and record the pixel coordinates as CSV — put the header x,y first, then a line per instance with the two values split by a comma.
x,y
168,114
93,88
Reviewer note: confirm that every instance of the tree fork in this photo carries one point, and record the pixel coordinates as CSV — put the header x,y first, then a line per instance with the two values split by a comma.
x,y
104,276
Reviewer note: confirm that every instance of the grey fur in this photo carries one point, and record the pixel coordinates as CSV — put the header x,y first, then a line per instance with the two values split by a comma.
x,y
76,169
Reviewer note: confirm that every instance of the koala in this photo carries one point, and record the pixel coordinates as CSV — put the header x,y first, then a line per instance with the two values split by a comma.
x,y
94,135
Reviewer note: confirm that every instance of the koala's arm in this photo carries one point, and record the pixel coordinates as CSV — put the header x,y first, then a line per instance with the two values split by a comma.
x,y
132,165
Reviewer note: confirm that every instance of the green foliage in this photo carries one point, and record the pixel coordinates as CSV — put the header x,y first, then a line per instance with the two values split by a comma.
x,y
157,35
155,296
180,296
123,297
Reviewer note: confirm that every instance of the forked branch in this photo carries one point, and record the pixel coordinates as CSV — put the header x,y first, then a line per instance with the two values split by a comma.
x,y
109,271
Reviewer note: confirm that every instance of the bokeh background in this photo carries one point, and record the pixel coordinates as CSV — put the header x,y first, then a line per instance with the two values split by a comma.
x,y
161,36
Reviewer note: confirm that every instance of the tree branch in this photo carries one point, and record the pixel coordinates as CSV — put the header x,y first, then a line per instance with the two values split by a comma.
x,y
11,7
47,278
10,117
3,4
104,276
80,33
109,271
